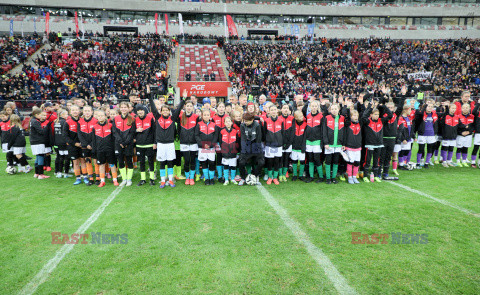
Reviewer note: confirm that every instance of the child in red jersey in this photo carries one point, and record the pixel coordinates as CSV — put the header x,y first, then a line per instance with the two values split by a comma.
x,y
373,127
206,135
229,144
124,133
85,135
18,144
70,130
333,136
289,131
465,133
273,130
38,141
298,146
103,146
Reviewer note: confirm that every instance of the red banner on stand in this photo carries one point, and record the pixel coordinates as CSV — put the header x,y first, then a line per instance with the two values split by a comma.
x,y
47,23
76,23
232,29
166,23
156,23
204,89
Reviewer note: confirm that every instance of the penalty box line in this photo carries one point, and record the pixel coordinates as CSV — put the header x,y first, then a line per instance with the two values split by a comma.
x,y
339,281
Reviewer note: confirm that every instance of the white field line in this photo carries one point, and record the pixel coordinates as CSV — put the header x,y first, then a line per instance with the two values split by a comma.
x,y
443,202
47,269
316,253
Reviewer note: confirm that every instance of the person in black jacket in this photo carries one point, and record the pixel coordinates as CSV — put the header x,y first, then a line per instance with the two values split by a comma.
x,y
165,132
374,126
62,162
188,144
85,135
288,133
103,146
38,140
466,128
333,129
251,150
229,143
449,123
476,139
298,145
352,143
18,144
70,131
5,126
206,135
145,142
390,137
273,132
124,133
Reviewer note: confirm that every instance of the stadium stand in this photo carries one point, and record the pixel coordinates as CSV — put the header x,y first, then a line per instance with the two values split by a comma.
x,y
199,61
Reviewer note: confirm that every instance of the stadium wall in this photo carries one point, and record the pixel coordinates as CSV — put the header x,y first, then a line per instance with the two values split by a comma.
x,y
261,9
351,32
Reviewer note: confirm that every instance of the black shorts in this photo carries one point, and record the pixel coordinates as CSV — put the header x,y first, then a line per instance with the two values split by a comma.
x,y
126,151
145,152
106,157
86,153
74,152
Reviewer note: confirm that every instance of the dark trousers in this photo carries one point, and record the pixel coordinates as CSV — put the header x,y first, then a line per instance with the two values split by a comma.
x,y
372,155
257,161
386,154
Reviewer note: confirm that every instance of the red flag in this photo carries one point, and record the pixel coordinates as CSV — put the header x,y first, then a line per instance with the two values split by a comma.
x,y
47,23
156,23
232,29
76,23
166,22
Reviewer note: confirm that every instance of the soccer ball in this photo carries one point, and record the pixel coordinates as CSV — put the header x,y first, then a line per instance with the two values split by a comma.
x,y
251,179
11,170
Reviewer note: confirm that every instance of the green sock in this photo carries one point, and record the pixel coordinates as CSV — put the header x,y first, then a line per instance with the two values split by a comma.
x,y
178,171
249,169
129,174
294,166
270,174
327,171
275,174
123,173
152,174
320,171
143,175
311,169
265,171
302,169
285,170
335,170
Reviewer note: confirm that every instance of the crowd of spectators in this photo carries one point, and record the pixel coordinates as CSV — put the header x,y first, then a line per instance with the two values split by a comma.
x,y
116,67
111,69
350,67
16,50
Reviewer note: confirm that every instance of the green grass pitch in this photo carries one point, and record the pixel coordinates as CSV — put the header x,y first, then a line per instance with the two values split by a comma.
x,y
229,240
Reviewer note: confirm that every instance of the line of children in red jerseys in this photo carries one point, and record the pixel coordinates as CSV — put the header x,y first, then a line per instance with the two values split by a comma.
x,y
320,140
